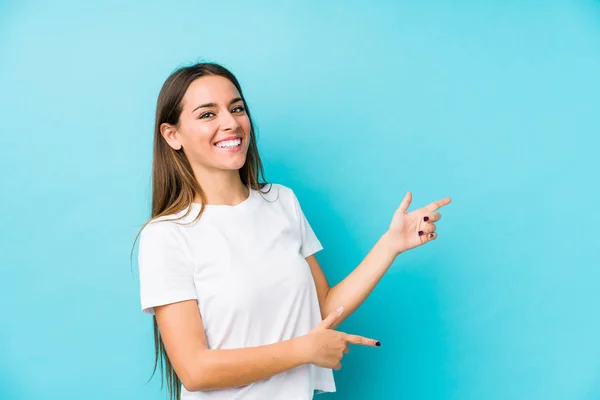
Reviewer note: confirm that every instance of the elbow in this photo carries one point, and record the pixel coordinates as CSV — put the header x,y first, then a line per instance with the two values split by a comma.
x,y
191,386
189,380
193,375
190,383
193,383
197,378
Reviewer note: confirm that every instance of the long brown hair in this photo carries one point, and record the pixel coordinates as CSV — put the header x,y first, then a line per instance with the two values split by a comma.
x,y
174,186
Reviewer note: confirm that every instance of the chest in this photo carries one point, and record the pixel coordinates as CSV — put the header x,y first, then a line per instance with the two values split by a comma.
x,y
251,262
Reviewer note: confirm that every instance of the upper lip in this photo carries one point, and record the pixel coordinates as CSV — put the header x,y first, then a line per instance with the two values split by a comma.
x,y
229,138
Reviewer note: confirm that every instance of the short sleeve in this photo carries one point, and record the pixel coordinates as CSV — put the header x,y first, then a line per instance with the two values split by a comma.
x,y
310,242
165,269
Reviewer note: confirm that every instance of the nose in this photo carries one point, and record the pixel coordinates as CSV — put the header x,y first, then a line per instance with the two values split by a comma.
x,y
228,122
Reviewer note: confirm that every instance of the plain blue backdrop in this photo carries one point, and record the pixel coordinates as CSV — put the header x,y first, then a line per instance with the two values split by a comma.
x,y
495,104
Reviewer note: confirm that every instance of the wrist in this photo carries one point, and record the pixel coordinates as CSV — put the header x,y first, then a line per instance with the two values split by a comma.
x,y
301,349
391,245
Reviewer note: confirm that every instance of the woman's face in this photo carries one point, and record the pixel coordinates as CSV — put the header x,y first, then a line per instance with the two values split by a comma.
x,y
214,128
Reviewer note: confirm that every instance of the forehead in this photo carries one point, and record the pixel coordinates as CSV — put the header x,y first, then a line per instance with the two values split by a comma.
x,y
210,89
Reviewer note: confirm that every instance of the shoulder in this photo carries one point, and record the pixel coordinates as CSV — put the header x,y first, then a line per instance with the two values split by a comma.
x,y
277,192
165,228
155,232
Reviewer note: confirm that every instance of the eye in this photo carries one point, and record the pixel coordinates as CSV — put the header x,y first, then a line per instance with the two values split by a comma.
x,y
205,115
238,109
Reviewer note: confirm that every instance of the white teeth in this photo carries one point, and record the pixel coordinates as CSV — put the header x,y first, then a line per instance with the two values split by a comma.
x,y
229,143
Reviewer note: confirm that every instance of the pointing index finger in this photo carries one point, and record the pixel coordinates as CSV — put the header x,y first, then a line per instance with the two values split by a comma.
x,y
360,340
437,204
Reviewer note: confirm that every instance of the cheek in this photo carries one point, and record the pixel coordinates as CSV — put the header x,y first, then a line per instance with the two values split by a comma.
x,y
201,134
197,140
245,125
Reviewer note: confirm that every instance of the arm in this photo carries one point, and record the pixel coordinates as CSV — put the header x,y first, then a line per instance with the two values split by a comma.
x,y
352,291
407,231
199,368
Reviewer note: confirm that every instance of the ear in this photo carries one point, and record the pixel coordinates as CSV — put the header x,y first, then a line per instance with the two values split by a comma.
x,y
169,132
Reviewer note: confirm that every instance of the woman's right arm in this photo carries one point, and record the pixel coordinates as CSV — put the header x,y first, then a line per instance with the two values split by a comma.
x,y
200,368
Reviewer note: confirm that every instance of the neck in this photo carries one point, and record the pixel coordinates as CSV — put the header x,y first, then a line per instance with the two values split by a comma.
x,y
222,187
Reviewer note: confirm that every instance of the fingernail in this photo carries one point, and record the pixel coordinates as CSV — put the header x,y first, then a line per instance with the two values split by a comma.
x,y
377,344
339,310
425,218
420,233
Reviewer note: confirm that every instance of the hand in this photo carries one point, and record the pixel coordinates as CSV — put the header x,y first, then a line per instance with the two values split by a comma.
x,y
325,347
410,230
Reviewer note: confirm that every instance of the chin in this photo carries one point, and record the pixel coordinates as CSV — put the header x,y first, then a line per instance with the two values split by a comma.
x,y
236,165
230,161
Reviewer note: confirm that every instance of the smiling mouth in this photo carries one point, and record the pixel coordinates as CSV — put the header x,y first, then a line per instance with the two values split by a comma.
x,y
229,144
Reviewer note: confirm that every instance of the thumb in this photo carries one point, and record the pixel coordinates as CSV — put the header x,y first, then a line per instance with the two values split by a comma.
x,y
330,319
405,203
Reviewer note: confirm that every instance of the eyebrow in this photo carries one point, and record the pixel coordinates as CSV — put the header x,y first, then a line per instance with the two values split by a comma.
x,y
214,104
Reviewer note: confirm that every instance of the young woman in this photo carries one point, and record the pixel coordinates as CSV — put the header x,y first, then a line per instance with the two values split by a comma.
x,y
227,263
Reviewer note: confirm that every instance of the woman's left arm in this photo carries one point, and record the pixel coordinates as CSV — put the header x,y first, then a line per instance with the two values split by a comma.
x,y
406,231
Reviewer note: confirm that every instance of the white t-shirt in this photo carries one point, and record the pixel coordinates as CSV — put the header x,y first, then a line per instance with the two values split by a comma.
x,y
246,267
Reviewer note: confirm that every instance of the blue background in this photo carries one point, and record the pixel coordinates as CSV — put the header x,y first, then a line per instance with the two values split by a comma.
x,y
495,104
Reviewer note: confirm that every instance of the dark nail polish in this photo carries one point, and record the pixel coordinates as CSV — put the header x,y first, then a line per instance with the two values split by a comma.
x,y
420,233
425,218
377,344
